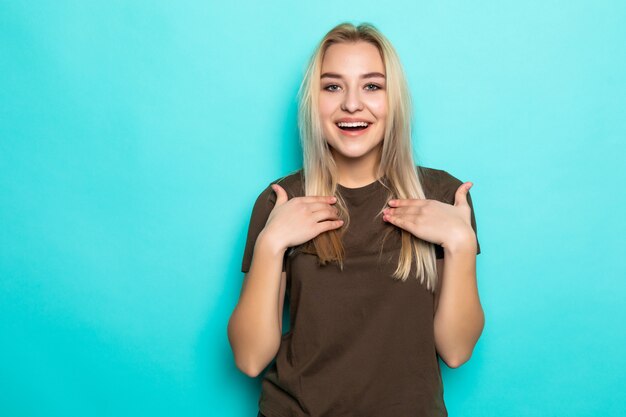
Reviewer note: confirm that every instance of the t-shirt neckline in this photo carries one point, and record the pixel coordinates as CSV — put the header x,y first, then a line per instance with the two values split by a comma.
x,y
359,190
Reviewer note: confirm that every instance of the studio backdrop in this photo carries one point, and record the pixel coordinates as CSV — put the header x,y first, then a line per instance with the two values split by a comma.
x,y
136,136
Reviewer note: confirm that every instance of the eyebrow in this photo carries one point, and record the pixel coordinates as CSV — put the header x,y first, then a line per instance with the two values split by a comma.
x,y
368,75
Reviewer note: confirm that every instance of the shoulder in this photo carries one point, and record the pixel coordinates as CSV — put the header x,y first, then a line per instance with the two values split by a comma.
x,y
438,184
291,182
266,199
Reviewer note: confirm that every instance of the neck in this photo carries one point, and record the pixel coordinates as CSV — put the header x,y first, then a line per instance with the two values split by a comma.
x,y
358,172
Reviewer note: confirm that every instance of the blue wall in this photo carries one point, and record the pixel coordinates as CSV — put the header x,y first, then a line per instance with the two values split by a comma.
x,y
135,136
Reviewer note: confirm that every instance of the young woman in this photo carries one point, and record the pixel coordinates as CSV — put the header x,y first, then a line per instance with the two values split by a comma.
x,y
376,254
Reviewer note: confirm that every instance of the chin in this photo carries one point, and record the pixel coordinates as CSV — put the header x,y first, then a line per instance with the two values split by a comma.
x,y
351,153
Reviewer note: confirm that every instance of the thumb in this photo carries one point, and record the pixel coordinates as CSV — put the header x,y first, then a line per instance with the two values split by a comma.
x,y
281,194
460,197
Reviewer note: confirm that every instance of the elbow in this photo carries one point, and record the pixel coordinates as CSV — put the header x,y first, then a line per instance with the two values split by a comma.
x,y
248,362
246,366
454,358
457,359
456,362
248,370
252,353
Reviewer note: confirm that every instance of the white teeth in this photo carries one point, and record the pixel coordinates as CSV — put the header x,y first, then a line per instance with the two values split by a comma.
x,y
352,124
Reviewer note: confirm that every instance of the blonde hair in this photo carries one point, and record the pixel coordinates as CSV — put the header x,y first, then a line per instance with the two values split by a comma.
x,y
397,169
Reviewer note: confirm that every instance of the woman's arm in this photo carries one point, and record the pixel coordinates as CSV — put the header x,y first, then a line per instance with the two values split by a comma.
x,y
459,318
254,328
277,223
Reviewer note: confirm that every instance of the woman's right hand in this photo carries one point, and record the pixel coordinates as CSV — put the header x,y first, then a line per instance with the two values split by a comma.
x,y
293,222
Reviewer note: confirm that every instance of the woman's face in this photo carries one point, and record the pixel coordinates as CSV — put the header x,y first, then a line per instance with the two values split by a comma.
x,y
353,90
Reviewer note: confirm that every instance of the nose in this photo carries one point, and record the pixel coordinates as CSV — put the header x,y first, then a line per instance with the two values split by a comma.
x,y
352,101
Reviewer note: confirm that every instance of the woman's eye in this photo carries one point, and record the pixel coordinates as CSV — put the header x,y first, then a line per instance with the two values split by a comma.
x,y
369,87
375,87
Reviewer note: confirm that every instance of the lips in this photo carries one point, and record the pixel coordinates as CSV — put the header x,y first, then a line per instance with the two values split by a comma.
x,y
352,120
352,128
352,124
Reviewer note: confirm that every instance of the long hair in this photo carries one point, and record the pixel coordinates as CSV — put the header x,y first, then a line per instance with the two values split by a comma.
x,y
397,169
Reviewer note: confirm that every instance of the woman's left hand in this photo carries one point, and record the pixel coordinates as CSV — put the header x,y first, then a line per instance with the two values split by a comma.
x,y
431,220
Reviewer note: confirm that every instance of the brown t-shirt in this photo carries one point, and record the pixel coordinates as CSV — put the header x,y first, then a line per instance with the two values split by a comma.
x,y
360,343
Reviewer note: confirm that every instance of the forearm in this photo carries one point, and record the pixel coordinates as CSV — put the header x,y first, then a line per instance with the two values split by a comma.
x,y
254,328
459,319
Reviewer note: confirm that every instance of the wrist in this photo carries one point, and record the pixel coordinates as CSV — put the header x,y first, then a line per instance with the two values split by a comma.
x,y
270,243
462,242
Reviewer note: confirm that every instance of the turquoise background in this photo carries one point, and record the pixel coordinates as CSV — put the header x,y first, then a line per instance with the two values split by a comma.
x,y
135,137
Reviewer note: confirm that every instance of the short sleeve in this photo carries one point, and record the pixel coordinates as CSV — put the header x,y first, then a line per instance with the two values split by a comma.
x,y
260,212
454,184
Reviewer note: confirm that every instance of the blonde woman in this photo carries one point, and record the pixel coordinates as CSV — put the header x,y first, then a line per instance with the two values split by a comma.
x,y
377,255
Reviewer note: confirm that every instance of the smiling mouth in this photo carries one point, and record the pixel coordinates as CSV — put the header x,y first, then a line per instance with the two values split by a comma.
x,y
353,126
